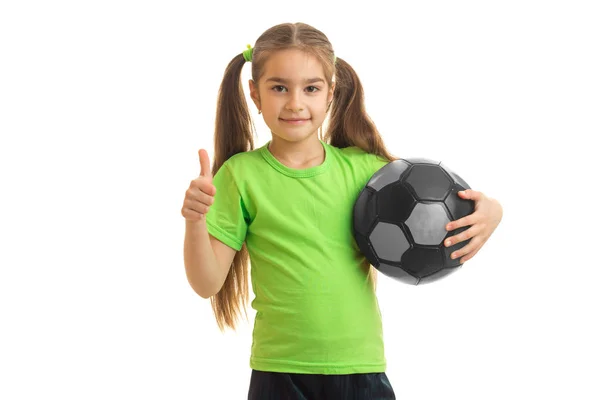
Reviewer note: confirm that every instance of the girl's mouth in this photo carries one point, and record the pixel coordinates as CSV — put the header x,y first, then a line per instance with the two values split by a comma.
x,y
295,121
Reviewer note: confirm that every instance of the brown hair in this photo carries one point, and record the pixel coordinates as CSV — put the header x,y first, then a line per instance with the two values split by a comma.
x,y
349,125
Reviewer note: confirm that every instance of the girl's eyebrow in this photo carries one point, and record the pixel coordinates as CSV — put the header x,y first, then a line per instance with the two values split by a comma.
x,y
286,81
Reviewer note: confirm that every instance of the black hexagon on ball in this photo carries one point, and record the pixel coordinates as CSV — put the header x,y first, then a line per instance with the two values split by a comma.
x,y
400,217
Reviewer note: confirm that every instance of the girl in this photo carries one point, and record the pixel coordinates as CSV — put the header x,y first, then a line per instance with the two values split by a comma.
x,y
287,206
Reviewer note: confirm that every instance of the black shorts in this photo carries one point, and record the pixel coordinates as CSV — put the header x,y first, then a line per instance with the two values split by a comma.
x,y
287,386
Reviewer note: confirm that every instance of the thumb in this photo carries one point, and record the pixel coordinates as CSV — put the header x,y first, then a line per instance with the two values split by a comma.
x,y
204,164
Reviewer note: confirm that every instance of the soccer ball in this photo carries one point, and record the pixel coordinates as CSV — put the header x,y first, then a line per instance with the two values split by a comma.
x,y
400,217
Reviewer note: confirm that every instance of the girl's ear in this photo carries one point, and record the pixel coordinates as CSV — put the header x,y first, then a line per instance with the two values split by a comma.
x,y
330,95
254,93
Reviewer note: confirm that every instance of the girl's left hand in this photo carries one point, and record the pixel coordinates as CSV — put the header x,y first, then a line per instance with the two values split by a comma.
x,y
483,221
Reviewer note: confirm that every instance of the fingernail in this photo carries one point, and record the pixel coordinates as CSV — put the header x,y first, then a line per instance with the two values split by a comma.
x,y
448,242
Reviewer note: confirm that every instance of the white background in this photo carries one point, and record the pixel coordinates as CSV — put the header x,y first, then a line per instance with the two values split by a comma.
x,y
104,105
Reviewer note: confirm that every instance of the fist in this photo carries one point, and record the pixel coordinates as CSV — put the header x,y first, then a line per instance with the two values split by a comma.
x,y
200,195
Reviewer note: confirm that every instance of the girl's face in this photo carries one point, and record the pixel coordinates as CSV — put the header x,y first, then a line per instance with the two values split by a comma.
x,y
292,94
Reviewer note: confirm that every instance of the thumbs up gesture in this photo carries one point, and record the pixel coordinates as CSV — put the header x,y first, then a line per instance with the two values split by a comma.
x,y
200,195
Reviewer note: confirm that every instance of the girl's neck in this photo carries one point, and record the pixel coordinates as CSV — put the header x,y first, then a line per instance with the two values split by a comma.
x,y
299,155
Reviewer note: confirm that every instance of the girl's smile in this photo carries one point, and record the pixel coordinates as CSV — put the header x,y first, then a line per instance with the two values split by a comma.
x,y
295,121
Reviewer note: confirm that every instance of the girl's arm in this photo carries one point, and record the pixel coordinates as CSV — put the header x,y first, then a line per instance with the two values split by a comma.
x,y
207,260
483,222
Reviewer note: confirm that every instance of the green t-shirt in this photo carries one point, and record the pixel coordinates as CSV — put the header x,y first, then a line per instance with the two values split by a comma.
x,y
316,310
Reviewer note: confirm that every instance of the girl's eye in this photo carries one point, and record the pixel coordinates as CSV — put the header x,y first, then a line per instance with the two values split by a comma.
x,y
280,88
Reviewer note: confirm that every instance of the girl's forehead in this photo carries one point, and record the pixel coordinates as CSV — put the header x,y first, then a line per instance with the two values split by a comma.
x,y
293,64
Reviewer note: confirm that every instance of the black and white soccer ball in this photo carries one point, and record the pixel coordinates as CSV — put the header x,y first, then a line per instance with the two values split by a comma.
x,y
400,218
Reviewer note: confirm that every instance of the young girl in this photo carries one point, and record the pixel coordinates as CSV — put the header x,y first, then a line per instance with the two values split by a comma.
x,y
288,207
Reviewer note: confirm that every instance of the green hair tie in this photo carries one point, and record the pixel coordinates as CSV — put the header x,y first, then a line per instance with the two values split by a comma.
x,y
248,53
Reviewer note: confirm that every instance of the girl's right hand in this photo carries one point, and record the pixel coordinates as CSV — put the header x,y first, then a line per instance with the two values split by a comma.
x,y
200,195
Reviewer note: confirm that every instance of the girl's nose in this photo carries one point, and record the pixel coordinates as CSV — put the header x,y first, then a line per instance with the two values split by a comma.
x,y
294,104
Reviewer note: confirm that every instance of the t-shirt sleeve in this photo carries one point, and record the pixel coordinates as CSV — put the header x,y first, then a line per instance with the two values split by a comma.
x,y
227,218
377,163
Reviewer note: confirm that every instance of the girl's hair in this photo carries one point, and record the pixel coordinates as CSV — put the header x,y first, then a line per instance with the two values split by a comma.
x,y
349,125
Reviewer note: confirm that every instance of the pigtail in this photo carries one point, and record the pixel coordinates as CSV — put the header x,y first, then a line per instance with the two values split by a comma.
x,y
233,125
233,134
349,124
